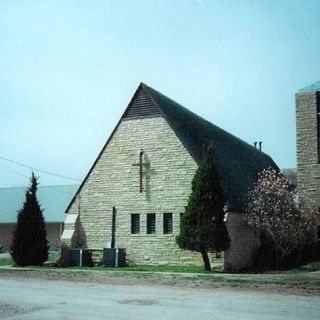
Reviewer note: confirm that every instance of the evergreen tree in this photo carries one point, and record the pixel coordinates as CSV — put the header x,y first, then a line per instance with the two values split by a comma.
x,y
202,224
30,246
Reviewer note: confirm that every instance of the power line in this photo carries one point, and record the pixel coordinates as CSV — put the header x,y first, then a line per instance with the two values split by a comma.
x,y
58,190
28,178
47,186
39,170
15,172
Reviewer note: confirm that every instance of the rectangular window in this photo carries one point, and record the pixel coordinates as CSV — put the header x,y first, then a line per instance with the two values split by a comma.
x,y
167,223
151,223
135,223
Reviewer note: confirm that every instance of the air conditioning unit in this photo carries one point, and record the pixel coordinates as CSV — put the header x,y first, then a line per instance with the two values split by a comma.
x,y
80,258
114,257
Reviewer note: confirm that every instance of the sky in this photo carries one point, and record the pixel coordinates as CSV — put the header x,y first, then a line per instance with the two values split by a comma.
x,y
69,68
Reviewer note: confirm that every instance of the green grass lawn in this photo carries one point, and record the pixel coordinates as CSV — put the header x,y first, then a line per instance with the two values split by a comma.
x,y
6,262
53,255
312,266
303,277
290,279
216,267
154,269
298,279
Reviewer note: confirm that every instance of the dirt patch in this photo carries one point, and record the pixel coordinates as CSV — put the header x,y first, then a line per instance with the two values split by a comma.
x,y
140,302
157,279
10,310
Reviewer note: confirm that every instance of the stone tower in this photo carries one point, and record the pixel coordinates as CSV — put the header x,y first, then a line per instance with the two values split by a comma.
x,y
308,141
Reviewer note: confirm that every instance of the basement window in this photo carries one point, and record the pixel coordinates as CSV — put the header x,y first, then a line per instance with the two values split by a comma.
x,y
135,223
151,223
167,223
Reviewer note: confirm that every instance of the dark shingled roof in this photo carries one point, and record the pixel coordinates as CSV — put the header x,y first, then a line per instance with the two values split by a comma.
x,y
311,88
240,162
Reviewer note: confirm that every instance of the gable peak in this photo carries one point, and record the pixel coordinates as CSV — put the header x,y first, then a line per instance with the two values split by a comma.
x,y
141,105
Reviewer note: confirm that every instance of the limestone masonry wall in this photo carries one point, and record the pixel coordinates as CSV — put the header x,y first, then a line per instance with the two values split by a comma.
x,y
114,182
244,244
308,173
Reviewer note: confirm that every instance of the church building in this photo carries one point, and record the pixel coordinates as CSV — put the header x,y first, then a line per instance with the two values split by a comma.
x,y
143,174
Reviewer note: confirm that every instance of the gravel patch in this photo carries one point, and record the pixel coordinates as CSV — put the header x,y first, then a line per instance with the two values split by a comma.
x,y
10,310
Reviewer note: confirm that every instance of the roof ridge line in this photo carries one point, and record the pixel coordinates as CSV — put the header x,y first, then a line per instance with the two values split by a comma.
x,y
195,115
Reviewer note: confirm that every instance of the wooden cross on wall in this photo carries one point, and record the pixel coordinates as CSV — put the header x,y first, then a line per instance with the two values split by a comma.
x,y
141,164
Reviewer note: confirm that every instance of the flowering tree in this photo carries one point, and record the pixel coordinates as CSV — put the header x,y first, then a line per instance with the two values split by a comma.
x,y
273,213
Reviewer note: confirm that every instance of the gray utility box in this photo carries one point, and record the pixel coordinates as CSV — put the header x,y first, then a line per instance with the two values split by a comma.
x,y
80,258
114,257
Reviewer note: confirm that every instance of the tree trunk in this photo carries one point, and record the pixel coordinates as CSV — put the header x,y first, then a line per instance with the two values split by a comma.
x,y
206,260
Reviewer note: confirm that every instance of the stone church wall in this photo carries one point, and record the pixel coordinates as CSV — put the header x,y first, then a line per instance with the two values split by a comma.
x,y
244,244
114,182
308,173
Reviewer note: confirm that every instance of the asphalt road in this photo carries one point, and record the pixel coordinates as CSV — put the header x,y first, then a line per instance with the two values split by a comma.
x,y
22,298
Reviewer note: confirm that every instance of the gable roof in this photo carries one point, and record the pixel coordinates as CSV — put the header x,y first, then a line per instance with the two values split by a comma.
x,y
311,88
53,201
239,162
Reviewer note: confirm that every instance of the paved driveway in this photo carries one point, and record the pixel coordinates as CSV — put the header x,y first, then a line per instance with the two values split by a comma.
x,y
22,298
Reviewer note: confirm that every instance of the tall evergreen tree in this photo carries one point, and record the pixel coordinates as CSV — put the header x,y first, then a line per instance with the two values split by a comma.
x,y
30,246
202,224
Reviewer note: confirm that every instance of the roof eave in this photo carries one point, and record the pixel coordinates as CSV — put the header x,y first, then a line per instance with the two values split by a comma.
x,y
103,149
